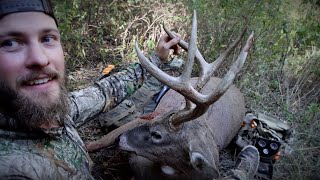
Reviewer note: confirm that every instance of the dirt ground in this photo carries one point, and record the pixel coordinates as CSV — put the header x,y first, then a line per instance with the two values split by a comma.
x,y
109,163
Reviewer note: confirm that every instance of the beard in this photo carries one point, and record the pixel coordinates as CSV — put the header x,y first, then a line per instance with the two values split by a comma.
x,y
29,114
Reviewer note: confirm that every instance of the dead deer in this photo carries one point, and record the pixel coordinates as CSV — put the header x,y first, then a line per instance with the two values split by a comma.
x,y
184,143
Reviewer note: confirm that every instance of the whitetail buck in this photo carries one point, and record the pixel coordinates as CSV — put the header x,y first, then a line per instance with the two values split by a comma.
x,y
184,137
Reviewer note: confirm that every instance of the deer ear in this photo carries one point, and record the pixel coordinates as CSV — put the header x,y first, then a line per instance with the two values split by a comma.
x,y
200,162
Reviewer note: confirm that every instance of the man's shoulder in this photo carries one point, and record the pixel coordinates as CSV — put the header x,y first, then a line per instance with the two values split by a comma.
x,y
45,157
20,161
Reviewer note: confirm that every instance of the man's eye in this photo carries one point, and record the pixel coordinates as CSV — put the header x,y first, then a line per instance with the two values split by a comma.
x,y
48,39
9,45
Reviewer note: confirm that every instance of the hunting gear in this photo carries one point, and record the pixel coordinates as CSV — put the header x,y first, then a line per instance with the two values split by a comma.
x,y
270,135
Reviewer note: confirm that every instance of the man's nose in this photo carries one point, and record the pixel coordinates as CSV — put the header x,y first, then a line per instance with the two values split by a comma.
x,y
37,56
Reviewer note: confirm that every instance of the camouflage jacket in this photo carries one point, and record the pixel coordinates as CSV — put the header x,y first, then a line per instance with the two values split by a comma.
x,y
60,153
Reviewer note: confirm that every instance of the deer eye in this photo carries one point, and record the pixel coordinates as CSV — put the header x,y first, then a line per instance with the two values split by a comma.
x,y
156,136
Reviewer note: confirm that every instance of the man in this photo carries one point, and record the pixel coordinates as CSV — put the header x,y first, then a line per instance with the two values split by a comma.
x,y
38,117
38,139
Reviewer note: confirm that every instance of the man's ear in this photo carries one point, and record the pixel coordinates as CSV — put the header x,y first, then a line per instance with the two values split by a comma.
x,y
201,163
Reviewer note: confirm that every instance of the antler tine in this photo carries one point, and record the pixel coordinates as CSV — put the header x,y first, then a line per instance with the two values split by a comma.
x,y
190,111
184,45
231,74
215,64
186,73
155,71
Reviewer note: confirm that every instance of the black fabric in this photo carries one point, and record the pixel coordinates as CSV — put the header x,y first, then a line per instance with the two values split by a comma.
x,y
14,6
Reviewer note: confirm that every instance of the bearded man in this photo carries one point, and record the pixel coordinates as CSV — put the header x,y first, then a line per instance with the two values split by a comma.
x,y
38,117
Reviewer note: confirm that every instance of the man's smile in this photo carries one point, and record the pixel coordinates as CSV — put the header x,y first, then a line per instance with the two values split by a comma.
x,y
38,81
44,83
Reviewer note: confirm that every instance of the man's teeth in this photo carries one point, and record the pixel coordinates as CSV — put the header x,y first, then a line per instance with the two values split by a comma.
x,y
39,81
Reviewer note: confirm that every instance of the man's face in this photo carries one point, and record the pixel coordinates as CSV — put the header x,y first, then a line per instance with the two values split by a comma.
x,y
31,57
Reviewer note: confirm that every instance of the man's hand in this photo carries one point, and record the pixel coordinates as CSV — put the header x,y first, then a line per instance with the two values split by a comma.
x,y
164,46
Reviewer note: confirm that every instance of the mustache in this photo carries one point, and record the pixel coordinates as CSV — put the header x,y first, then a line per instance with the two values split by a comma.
x,y
50,72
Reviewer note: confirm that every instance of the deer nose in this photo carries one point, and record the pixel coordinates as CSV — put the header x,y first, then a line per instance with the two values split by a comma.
x,y
156,136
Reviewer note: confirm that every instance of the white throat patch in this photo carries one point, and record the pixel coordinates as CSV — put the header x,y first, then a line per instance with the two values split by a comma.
x,y
167,170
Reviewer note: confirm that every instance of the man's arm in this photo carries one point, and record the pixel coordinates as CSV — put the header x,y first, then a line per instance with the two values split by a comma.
x,y
105,93
110,91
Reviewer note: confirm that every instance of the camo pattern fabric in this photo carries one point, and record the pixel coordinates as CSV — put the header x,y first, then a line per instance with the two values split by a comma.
x,y
59,153
105,94
31,155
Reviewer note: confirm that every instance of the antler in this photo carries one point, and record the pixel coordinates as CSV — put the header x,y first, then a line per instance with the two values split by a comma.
x,y
182,83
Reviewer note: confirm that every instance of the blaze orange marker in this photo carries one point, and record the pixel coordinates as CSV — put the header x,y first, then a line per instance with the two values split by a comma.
x,y
107,69
277,156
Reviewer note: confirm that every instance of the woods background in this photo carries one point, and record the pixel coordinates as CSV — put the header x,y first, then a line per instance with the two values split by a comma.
x,y
281,76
